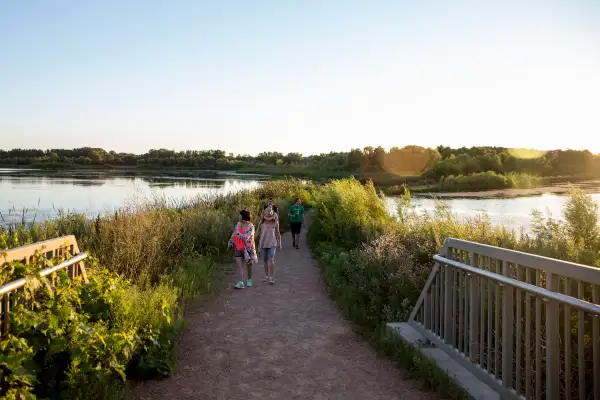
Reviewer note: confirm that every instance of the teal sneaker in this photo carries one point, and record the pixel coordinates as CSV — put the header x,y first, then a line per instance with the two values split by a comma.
x,y
239,285
249,283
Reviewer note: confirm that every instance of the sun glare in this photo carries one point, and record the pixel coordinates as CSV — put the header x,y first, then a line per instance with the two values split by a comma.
x,y
526,153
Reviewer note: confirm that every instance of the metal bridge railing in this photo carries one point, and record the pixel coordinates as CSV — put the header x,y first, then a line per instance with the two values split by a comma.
x,y
65,247
529,326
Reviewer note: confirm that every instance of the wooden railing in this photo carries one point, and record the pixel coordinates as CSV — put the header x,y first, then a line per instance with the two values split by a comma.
x,y
65,248
526,325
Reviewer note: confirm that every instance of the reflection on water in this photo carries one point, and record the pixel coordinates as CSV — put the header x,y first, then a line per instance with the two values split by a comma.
x,y
41,194
512,212
41,197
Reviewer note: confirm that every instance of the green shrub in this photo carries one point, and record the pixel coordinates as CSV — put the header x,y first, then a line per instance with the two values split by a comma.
x,y
377,277
289,188
349,214
396,190
523,181
81,340
387,269
487,181
154,314
193,277
575,239
77,340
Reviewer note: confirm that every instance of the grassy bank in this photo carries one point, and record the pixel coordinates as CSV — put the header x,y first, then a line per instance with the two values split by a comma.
x,y
485,181
79,340
376,266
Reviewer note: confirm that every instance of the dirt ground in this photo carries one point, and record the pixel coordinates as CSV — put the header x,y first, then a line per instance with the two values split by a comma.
x,y
283,341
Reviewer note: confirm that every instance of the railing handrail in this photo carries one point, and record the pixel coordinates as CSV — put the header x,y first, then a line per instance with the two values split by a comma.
x,y
536,290
19,283
563,268
42,244
526,325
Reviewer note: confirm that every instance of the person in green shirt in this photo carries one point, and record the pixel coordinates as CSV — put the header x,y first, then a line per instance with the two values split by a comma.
x,y
296,214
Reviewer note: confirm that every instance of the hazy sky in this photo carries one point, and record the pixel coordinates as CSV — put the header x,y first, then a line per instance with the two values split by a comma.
x,y
309,76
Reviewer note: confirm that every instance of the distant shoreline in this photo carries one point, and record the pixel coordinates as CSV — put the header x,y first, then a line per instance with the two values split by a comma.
x,y
588,186
417,188
178,173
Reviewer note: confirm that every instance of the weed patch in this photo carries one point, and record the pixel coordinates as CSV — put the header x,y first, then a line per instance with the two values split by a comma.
x,y
78,340
376,266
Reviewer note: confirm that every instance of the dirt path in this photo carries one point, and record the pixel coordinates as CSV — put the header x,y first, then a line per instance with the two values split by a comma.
x,y
283,341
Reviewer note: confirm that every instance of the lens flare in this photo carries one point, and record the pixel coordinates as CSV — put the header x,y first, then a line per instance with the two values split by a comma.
x,y
410,160
528,154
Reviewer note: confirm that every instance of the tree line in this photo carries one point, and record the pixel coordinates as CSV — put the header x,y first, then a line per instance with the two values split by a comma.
x,y
406,161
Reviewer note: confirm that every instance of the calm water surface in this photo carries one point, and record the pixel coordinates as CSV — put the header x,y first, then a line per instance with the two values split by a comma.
x,y
41,195
512,212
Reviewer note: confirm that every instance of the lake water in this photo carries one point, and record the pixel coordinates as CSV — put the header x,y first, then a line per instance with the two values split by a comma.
x,y
512,212
40,195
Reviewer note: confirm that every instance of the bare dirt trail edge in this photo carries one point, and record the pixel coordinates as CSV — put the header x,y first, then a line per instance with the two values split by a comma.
x,y
282,341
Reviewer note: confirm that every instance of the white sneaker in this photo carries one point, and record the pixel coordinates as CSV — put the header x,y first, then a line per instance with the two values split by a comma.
x,y
265,279
271,280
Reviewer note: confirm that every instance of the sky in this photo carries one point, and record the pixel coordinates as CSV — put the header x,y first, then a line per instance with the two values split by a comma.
x,y
299,76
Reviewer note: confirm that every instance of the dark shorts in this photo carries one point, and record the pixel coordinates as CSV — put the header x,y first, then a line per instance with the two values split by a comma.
x,y
296,227
239,253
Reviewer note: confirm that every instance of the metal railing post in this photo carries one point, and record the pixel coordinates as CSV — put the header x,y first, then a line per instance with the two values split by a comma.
x,y
474,345
427,308
552,341
448,294
507,329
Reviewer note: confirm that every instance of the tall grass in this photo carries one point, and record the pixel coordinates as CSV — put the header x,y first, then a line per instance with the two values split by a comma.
x,y
576,238
148,238
82,340
376,267
349,214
